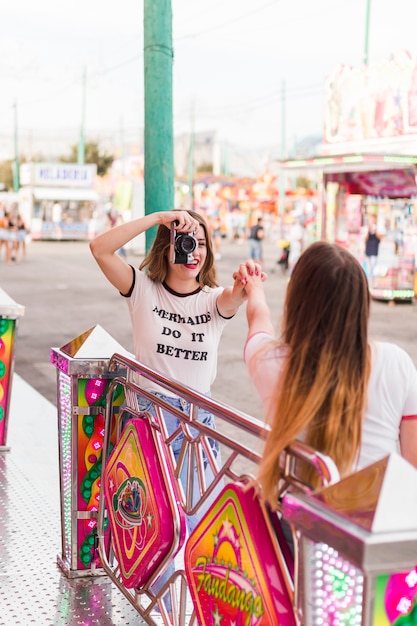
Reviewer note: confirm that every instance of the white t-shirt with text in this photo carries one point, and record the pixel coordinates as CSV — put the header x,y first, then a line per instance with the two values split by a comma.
x,y
175,334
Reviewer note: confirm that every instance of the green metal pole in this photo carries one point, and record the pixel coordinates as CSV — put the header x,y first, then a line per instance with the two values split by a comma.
x,y
81,144
158,135
16,182
367,23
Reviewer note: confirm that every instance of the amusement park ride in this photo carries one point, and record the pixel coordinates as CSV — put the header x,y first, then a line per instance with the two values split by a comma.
x,y
184,535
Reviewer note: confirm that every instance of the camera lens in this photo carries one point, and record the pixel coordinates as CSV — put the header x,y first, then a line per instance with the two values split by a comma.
x,y
186,243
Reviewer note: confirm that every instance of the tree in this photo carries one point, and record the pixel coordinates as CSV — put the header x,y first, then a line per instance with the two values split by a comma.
x,y
302,182
103,160
6,170
6,175
205,168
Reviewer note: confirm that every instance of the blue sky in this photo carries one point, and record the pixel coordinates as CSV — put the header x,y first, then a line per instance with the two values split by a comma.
x,y
232,60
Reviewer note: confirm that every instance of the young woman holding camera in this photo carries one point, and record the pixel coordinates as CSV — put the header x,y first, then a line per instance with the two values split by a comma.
x,y
178,311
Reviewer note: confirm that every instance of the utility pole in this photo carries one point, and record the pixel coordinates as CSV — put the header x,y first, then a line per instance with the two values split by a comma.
x,y
225,159
81,144
16,183
158,138
367,24
191,160
122,147
283,157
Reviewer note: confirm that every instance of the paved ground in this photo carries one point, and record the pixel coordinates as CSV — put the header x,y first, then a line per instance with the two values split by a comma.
x,y
65,294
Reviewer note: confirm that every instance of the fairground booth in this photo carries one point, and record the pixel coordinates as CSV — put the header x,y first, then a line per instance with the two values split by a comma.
x,y
366,169
58,201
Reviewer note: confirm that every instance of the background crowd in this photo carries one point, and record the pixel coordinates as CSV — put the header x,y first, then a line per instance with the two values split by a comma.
x,y
13,233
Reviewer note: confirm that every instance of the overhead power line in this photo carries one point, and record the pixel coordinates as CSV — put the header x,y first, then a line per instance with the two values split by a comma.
x,y
234,20
302,91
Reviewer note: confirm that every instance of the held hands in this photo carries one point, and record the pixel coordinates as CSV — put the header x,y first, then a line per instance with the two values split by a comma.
x,y
249,277
258,315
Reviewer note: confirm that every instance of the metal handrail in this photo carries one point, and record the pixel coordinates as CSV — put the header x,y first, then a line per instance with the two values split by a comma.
x,y
238,458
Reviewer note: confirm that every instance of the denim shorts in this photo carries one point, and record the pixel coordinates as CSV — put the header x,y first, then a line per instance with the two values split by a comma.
x,y
255,249
172,422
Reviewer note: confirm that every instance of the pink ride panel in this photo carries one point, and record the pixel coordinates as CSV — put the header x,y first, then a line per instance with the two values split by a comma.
x,y
232,563
145,520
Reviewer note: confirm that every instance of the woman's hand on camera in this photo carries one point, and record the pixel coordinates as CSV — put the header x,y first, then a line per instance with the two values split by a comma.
x,y
185,223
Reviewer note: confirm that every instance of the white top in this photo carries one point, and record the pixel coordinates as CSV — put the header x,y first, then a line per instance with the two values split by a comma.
x,y
392,392
175,334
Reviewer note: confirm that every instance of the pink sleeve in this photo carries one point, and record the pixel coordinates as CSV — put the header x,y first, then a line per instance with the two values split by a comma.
x,y
254,343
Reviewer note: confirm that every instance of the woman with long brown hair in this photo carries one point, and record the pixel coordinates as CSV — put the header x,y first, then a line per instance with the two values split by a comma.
x,y
178,312
324,381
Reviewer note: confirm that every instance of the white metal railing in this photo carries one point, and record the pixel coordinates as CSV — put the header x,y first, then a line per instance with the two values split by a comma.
x,y
240,438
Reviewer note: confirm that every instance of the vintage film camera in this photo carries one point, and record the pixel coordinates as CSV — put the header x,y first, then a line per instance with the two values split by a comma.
x,y
182,246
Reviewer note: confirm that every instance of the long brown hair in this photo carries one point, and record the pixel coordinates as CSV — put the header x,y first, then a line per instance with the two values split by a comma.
x,y
322,389
156,261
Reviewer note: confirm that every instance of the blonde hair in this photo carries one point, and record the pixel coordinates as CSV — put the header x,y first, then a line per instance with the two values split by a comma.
x,y
323,385
156,261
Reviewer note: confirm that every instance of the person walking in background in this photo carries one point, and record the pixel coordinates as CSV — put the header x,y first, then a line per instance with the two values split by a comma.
x,y
372,242
20,248
114,219
216,234
57,219
283,260
5,236
13,244
256,235
324,381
